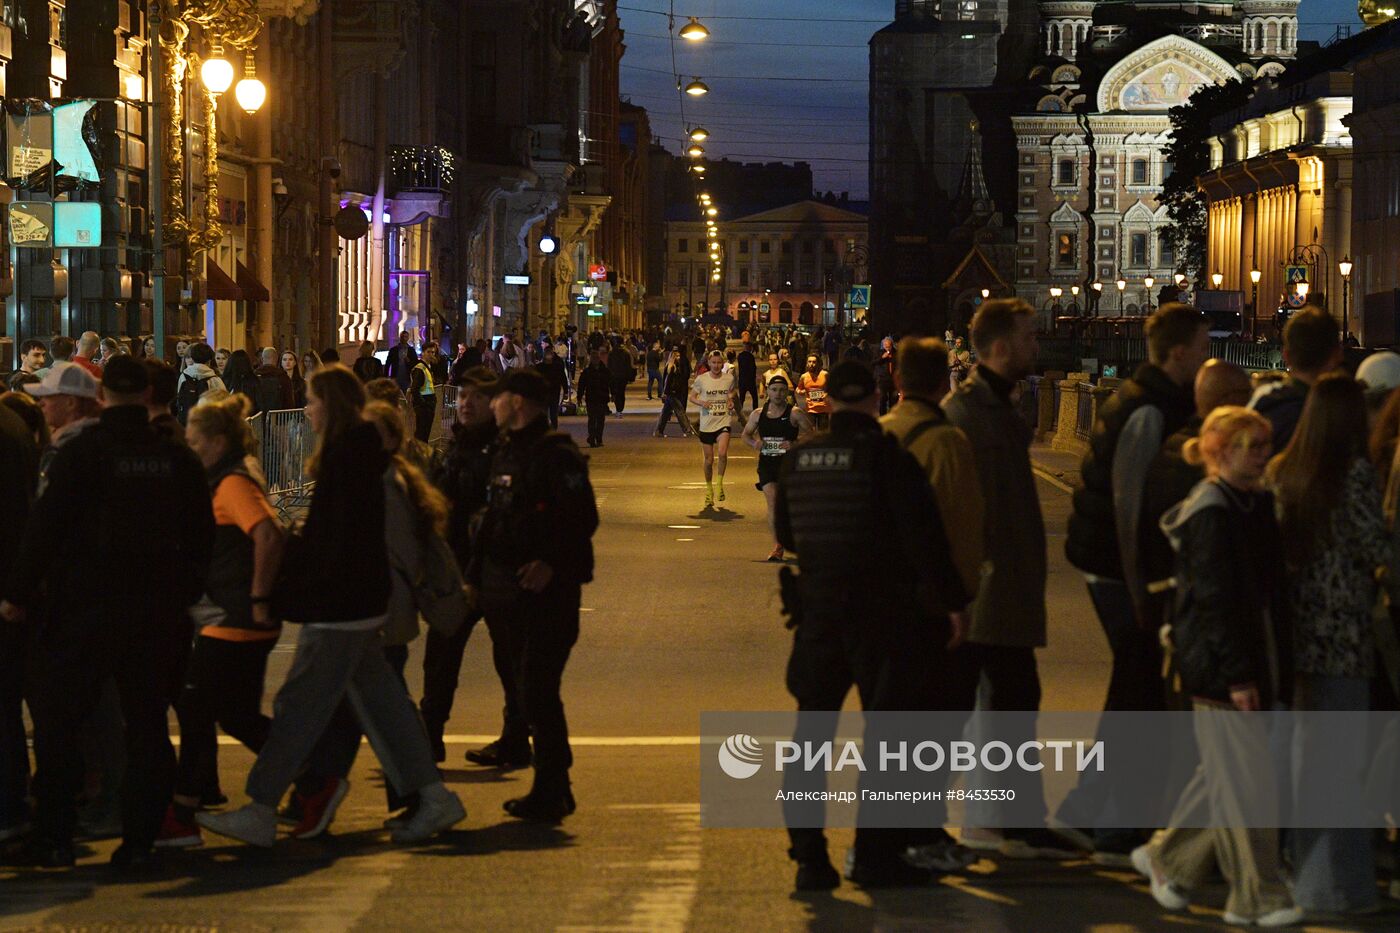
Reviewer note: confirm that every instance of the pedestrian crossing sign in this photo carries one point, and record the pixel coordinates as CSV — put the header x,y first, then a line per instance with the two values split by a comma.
x,y
859,297
1296,274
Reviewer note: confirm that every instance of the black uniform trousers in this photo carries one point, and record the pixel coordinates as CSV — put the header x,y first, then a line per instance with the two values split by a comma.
x,y
619,394
14,751
442,666
597,420
72,658
424,411
536,632
891,670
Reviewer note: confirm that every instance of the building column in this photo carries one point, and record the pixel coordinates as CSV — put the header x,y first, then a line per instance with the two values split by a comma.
x,y
264,216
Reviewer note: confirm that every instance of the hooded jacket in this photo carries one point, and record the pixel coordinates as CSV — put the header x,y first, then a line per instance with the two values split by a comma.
x,y
1226,628
202,371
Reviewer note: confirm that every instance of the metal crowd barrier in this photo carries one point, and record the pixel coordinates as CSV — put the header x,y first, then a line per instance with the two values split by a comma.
x,y
1084,410
286,440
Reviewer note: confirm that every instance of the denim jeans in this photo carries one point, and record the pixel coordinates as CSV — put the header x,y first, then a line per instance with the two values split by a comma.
x,y
1333,869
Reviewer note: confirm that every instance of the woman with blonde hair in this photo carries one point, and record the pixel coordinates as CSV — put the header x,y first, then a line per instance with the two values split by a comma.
x,y
235,632
1335,538
336,583
1232,659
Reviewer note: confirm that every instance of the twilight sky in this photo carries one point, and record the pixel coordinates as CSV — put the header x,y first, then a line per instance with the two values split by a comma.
x,y
788,77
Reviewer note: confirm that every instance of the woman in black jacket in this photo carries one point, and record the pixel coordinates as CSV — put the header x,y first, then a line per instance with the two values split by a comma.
x,y
1232,654
335,582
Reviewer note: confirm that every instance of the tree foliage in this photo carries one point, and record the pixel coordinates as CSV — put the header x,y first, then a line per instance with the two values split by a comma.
x,y
1189,157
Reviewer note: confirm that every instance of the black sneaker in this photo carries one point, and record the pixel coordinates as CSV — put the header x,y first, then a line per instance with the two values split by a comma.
x,y
439,749
817,876
210,799
890,873
1040,843
492,756
136,860
539,808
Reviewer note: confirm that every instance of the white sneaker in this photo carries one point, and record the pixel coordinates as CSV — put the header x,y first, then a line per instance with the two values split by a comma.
x,y
945,855
1163,891
1283,917
983,840
438,809
255,824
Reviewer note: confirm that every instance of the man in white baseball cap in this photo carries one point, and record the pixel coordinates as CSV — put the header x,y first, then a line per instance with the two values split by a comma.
x,y
68,396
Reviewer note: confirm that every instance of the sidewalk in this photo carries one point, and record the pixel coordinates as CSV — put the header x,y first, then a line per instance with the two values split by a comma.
x,y
1058,467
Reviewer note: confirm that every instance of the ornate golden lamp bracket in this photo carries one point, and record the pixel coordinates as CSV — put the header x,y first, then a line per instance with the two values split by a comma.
x,y
233,23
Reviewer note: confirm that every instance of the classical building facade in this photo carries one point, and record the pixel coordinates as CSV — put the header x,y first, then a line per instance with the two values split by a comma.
x,y
1280,192
1089,153
1374,125
799,259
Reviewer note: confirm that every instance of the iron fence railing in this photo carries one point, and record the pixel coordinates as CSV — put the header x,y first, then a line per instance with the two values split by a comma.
x,y
285,441
1126,353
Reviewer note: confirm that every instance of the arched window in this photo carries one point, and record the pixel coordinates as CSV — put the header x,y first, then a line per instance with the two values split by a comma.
x,y
1052,42
1067,40
1271,36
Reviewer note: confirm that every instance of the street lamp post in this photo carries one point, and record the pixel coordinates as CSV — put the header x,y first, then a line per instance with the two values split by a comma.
x,y
1121,284
1098,293
1254,276
1147,284
1344,267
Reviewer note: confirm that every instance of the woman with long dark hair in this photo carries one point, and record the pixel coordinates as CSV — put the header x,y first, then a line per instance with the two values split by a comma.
x,y
238,374
292,368
1334,539
336,584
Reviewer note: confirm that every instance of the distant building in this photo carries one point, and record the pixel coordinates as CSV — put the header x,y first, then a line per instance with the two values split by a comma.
x,y
1375,232
1089,153
799,259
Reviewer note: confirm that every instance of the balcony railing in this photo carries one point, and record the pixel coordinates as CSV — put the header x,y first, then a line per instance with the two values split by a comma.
x,y
420,168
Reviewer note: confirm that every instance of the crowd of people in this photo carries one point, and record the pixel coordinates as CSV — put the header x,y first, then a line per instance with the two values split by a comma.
x,y
1235,535
144,569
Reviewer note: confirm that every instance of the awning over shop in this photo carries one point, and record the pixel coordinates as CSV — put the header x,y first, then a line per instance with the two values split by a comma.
x,y
248,283
219,287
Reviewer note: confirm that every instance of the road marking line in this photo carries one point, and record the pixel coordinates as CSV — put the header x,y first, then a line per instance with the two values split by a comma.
x,y
1052,479
584,741
685,539
682,527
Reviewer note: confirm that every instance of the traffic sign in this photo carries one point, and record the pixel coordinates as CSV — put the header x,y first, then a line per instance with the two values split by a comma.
x,y
1296,274
859,297
765,307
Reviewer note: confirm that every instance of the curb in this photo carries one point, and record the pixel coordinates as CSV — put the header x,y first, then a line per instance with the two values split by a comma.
x,y
1051,477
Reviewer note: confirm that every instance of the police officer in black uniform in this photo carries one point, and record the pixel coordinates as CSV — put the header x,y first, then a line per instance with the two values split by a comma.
x,y
876,586
116,550
532,555
462,478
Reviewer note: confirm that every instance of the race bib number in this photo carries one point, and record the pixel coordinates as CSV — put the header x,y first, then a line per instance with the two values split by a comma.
x,y
773,447
816,395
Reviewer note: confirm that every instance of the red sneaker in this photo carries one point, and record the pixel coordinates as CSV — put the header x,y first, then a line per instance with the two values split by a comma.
x,y
318,809
175,833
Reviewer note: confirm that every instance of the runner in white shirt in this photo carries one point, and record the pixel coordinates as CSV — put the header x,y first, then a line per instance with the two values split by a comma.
x,y
715,392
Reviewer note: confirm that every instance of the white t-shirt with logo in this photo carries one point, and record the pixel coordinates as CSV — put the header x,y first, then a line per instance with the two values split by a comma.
x,y
715,393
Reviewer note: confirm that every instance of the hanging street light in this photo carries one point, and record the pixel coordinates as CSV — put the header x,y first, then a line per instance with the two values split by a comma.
x,y
699,134
216,72
697,88
250,92
695,151
694,31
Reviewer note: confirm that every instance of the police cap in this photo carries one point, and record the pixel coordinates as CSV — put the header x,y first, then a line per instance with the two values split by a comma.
x,y
124,375
529,385
850,382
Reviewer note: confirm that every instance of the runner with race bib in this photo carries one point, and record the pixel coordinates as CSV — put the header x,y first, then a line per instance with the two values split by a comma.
x,y
714,391
811,392
772,430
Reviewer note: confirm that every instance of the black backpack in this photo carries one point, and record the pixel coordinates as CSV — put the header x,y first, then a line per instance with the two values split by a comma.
x,y
188,397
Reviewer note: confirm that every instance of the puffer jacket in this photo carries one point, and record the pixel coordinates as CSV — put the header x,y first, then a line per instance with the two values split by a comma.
x,y
1227,631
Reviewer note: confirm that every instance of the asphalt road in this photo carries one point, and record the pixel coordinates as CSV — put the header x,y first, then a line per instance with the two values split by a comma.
x,y
683,618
